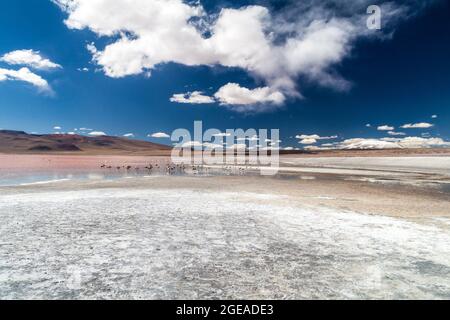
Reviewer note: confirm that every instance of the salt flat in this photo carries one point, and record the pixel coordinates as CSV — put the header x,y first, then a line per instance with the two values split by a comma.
x,y
416,164
130,239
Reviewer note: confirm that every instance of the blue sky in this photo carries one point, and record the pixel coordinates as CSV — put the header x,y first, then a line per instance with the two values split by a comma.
x,y
401,75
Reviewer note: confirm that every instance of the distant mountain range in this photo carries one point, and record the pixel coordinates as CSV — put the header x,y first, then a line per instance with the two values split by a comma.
x,y
22,142
19,142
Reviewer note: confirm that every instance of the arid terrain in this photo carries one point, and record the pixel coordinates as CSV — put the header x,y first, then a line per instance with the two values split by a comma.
x,y
19,142
97,224
293,236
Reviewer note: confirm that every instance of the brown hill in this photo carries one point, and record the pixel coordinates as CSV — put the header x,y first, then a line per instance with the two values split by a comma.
x,y
22,143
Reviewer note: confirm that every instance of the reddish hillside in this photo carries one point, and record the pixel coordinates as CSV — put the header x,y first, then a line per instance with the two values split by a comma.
x,y
21,142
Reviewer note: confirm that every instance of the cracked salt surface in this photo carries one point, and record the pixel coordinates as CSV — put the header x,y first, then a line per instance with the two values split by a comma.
x,y
186,244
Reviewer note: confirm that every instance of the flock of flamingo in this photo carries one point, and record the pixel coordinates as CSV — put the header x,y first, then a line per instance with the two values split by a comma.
x,y
172,169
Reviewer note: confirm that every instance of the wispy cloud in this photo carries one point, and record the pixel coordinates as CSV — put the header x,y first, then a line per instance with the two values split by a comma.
x,y
393,133
315,136
195,97
129,135
421,125
222,134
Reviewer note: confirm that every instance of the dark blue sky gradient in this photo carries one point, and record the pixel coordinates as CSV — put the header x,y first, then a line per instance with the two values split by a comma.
x,y
402,80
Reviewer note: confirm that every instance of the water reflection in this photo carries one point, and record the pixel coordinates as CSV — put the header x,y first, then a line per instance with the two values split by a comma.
x,y
105,172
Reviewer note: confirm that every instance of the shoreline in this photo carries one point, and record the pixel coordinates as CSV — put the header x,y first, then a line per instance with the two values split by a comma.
x,y
296,235
400,187
319,190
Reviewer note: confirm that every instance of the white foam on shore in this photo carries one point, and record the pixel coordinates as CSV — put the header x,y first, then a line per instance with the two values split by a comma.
x,y
43,182
325,198
190,244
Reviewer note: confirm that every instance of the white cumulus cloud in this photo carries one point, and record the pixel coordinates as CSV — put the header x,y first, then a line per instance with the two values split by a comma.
x,y
25,75
159,135
305,41
392,143
417,142
385,128
308,141
97,134
233,94
29,58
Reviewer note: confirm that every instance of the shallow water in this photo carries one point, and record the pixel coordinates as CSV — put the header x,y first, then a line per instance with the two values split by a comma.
x,y
30,177
185,244
36,177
